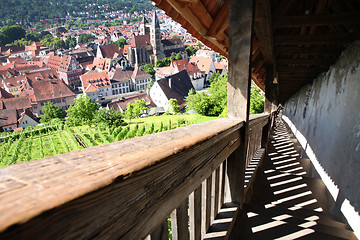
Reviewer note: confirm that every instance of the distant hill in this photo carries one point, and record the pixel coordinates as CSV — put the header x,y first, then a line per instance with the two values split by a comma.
x,y
25,11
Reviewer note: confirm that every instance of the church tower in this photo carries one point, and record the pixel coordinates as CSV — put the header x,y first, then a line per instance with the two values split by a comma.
x,y
155,38
143,28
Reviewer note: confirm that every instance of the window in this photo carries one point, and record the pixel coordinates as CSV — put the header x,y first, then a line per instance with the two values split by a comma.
x,y
34,107
63,99
25,121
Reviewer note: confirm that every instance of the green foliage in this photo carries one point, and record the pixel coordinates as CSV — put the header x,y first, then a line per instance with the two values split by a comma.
x,y
211,104
70,42
257,99
190,50
50,112
135,109
9,34
121,42
82,112
20,42
32,36
163,62
215,103
108,117
149,69
174,106
178,56
85,38
53,42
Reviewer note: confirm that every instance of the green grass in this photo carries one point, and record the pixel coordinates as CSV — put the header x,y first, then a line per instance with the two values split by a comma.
x,y
61,141
191,118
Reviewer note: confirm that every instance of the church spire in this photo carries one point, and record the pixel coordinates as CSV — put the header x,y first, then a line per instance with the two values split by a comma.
x,y
155,21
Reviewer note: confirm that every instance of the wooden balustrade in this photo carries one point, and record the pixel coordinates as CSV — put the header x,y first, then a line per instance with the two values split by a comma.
x,y
128,189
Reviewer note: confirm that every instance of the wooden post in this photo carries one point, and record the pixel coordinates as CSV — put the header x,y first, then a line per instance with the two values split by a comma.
x,y
241,18
269,88
161,232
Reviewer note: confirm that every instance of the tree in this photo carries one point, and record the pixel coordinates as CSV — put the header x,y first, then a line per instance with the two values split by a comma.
x,y
81,112
178,56
215,103
32,36
108,117
212,104
12,33
174,106
163,62
50,112
135,109
85,38
121,42
190,50
257,99
149,69
70,42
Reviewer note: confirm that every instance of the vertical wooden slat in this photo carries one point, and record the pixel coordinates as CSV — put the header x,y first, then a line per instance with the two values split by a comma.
x,y
161,232
192,216
223,178
217,184
203,209
182,218
197,211
174,226
208,202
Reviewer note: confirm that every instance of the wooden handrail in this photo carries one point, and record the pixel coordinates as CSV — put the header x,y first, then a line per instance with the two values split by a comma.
x,y
123,189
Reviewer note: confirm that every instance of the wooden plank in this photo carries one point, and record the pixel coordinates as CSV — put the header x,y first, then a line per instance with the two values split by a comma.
x,y
223,181
208,202
316,39
182,218
198,212
161,232
240,29
318,50
80,190
263,30
313,62
216,194
174,228
316,20
219,20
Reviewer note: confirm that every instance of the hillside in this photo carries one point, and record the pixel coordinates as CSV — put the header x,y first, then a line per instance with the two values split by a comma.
x,y
26,11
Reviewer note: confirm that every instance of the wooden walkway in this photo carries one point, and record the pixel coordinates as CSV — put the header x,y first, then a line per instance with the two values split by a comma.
x,y
287,203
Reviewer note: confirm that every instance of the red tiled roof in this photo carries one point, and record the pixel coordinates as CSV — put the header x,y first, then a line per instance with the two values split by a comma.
x,y
138,73
8,117
4,94
140,41
121,103
122,75
46,90
92,81
110,51
17,103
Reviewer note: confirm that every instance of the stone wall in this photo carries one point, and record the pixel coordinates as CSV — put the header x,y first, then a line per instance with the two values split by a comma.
x,y
326,114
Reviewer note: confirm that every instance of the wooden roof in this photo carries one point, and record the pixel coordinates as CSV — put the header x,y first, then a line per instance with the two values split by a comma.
x,y
300,38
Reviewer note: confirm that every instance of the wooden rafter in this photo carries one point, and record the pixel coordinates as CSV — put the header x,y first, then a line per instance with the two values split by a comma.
x,y
316,20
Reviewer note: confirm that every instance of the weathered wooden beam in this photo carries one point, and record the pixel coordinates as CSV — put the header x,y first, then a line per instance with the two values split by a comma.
x,y
300,70
123,190
161,232
182,218
240,29
316,20
316,39
263,30
320,50
220,19
312,62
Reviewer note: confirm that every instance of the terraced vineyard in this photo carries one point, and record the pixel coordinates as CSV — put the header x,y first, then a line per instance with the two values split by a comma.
x,y
48,141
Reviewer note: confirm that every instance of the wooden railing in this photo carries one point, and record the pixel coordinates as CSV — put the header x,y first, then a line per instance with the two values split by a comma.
x,y
128,189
